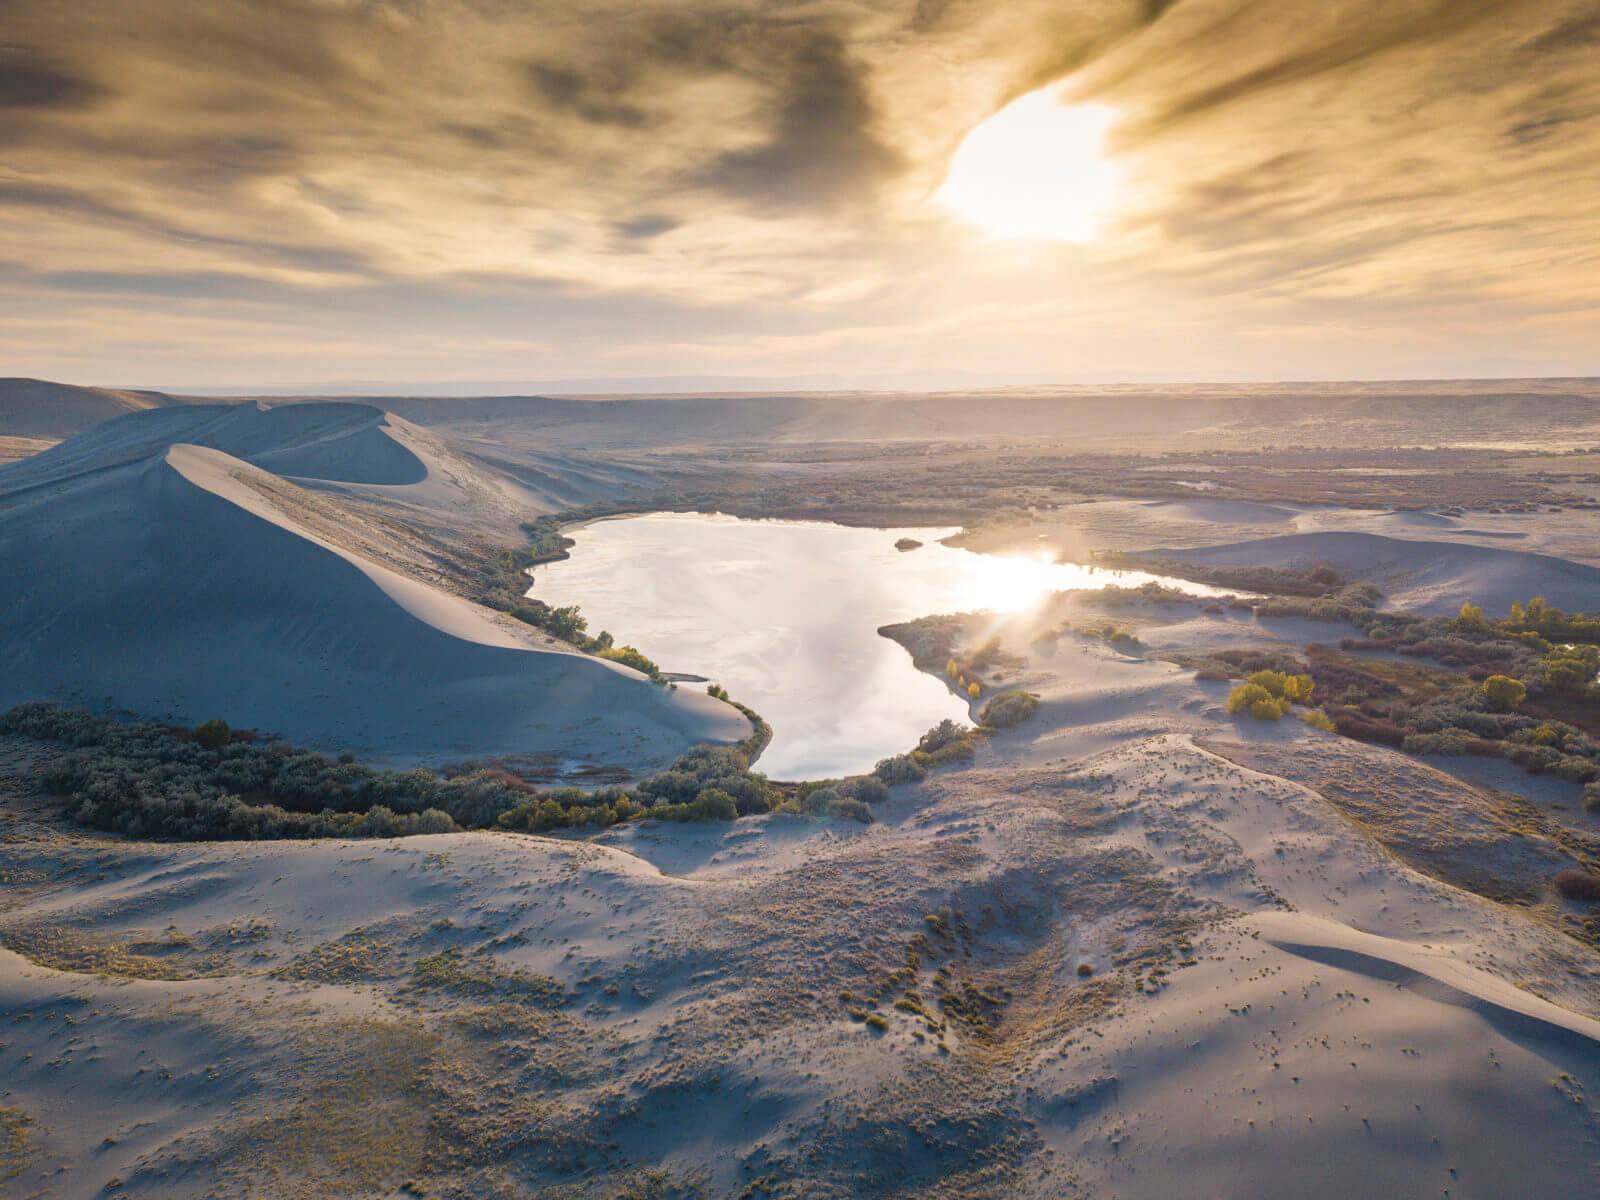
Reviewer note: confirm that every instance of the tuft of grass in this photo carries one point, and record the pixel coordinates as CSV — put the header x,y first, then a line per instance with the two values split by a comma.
x,y
479,975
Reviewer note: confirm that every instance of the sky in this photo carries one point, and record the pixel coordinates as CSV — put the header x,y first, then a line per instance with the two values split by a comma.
x,y
280,193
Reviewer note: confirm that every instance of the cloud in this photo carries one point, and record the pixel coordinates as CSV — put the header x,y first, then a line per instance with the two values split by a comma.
x,y
645,227
466,173
33,80
1578,31
819,146
592,99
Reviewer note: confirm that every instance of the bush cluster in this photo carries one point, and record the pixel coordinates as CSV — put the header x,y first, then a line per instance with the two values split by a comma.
x,y
148,779
1575,884
153,780
1268,695
1012,708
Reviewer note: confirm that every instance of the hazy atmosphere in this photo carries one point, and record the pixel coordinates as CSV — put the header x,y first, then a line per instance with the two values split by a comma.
x,y
799,599
311,193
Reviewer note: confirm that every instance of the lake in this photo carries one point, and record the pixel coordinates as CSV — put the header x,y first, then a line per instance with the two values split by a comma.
x,y
784,614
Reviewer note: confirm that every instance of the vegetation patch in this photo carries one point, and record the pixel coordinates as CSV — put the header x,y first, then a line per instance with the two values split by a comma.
x,y
1318,581
15,1145
354,958
170,956
479,976
1575,884
1010,708
1495,688
1269,695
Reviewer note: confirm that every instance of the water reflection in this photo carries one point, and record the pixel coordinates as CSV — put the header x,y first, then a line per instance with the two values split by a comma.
x,y
785,615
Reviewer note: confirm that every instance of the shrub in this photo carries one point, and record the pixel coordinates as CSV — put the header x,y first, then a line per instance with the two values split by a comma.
x,y
818,801
1571,669
630,657
1283,686
947,742
1446,742
1267,709
868,789
1352,723
901,768
1503,693
1011,708
1576,884
1257,701
850,809
1317,719
213,734
714,804
974,689
150,780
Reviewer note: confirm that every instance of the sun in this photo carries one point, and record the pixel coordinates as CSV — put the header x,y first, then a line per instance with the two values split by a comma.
x,y
1037,169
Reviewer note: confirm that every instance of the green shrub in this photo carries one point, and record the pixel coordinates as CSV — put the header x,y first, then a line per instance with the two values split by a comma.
x,y
1011,708
817,801
630,657
901,768
868,789
1503,693
848,808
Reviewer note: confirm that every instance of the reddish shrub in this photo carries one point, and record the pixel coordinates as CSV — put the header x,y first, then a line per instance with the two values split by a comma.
x,y
1575,884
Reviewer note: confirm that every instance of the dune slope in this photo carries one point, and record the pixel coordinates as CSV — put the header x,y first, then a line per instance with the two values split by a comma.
x,y
1430,577
179,584
37,408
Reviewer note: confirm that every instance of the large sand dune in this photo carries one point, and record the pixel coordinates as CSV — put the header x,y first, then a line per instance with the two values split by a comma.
x,y
37,408
1431,577
183,582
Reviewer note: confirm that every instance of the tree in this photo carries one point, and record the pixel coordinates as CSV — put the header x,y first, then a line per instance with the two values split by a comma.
x,y
566,623
1571,669
1504,693
1470,619
974,690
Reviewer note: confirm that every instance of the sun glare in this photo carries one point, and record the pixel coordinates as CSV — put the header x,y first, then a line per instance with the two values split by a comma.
x,y
1036,169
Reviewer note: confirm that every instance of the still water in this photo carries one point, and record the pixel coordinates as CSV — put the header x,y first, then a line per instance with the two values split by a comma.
x,y
784,614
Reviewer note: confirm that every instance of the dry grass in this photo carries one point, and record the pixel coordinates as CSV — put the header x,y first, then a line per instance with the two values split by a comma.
x,y
16,1147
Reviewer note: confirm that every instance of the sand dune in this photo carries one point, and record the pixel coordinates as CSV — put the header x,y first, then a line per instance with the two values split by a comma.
x,y
337,442
1431,577
1222,512
36,408
182,583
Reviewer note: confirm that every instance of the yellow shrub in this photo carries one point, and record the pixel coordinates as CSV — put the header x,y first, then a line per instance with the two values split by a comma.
x,y
974,690
1256,700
